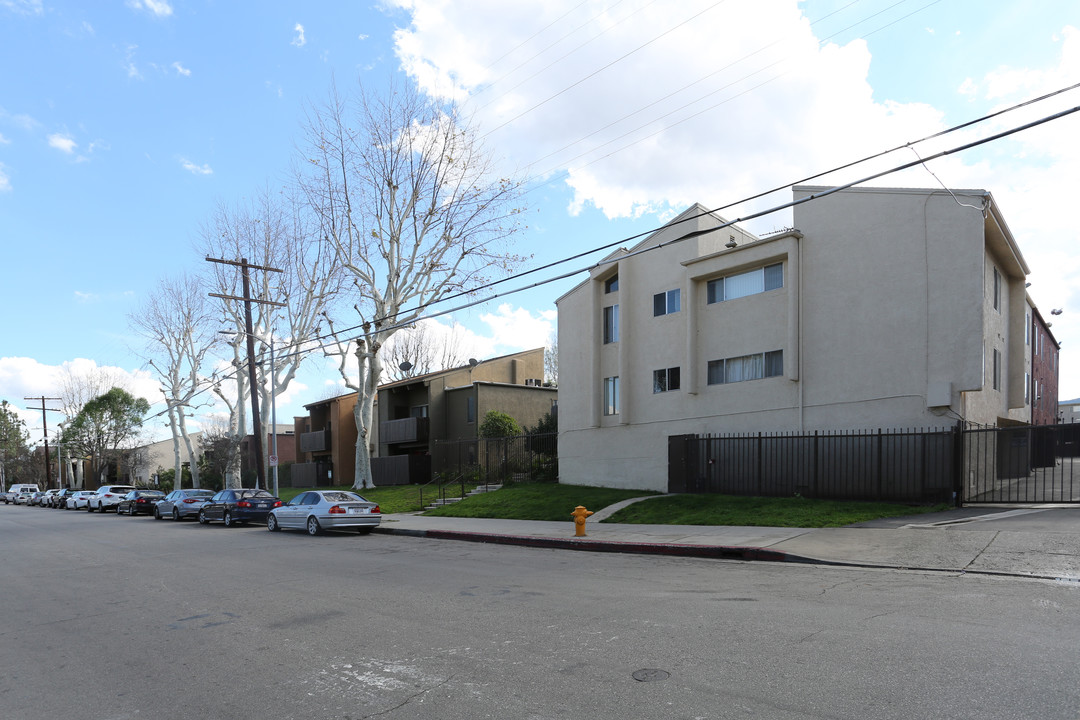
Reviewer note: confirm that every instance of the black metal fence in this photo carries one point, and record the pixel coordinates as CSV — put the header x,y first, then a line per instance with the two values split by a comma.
x,y
1024,464
894,465
495,460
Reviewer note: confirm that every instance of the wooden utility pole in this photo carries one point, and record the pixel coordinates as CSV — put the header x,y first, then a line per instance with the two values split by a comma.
x,y
45,430
256,421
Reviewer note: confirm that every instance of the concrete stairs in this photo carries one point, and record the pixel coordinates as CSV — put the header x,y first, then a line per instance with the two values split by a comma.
x,y
478,490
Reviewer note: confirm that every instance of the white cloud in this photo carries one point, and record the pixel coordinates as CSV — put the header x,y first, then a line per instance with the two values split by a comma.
x,y
23,7
968,88
62,142
196,169
84,298
158,8
4,140
5,180
181,70
299,40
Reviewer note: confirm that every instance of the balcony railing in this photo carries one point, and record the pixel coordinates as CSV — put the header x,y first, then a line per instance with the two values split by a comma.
x,y
318,441
406,430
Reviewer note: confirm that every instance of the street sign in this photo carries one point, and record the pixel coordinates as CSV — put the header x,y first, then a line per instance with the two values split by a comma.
x,y
273,461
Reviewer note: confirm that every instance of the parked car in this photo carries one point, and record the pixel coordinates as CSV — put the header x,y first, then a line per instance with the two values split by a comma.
x,y
37,498
318,510
107,497
14,491
46,498
77,500
24,496
139,502
240,505
180,504
56,500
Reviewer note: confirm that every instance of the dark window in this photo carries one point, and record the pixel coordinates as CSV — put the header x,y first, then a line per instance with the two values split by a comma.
x,y
611,324
666,380
612,284
666,303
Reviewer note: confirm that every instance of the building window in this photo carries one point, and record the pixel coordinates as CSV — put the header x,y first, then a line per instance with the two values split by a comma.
x,y
612,284
752,282
997,369
612,400
470,409
665,380
418,411
1027,329
746,367
611,324
666,303
1027,388
997,290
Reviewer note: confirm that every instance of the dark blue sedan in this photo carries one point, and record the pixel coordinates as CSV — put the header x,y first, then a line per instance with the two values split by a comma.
x,y
239,505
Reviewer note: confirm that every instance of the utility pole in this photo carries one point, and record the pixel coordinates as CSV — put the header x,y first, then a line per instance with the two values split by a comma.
x,y
45,430
256,422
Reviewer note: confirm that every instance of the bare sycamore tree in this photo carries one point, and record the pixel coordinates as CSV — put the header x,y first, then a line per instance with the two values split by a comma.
x,y
551,359
177,324
422,348
271,231
407,196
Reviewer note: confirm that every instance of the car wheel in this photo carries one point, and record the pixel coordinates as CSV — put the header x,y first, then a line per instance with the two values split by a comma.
x,y
203,520
175,515
313,527
272,523
157,514
89,507
227,518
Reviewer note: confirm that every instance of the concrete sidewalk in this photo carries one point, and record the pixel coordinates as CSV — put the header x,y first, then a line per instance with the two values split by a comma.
x,y
963,541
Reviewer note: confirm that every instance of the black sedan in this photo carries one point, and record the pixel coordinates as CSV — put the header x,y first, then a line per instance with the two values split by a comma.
x,y
239,505
139,502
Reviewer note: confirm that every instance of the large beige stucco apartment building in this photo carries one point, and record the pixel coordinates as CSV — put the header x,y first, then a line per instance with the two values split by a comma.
x,y
881,308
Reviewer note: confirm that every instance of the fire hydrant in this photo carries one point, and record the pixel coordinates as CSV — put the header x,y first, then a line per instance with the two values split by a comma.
x,y
579,515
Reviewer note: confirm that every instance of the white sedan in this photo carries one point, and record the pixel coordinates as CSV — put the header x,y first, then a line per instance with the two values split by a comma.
x,y
318,510
77,500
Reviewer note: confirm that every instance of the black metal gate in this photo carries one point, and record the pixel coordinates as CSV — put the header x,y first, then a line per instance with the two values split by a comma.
x,y
1024,464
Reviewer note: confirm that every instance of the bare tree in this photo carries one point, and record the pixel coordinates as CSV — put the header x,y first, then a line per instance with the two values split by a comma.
x,y
409,199
271,231
76,390
422,348
177,324
551,359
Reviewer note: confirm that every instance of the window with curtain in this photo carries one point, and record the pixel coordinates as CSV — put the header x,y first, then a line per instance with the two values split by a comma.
x,y
751,282
611,324
746,367
611,395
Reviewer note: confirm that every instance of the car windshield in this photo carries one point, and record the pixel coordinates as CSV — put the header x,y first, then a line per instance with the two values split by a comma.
x,y
253,494
200,493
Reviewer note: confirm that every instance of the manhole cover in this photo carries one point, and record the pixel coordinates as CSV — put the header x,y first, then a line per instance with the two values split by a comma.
x,y
651,675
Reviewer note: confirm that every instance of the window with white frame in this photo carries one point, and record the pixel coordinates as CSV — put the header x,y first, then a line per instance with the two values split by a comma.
x,y
666,303
751,282
611,324
612,401
746,367
666,380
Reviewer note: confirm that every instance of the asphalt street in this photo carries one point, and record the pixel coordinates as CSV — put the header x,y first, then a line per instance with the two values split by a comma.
x,y
108,618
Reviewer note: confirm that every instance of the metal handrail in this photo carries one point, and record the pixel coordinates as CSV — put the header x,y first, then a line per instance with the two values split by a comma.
x,y
460,478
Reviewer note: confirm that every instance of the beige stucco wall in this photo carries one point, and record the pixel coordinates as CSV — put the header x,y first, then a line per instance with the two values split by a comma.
x,y
882,320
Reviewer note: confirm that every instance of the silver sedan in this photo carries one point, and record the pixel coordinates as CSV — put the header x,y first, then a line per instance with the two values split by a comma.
x,y
318,510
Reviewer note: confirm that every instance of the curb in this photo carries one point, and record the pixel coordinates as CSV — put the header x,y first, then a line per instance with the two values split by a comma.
x,y
612,546
715,552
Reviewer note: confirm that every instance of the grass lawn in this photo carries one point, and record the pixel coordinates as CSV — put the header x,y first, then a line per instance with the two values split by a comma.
x,y
550,501
761,511
536,501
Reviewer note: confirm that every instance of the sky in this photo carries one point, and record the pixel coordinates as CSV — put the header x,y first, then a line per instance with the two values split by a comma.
x,y
123,123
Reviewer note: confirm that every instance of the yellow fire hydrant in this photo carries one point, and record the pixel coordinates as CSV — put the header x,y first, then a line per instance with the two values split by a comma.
x,y
579,515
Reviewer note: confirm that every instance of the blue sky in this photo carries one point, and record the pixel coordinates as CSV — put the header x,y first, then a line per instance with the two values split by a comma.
x,y
123,123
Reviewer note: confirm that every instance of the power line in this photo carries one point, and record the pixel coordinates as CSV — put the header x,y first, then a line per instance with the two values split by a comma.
x,y
725,224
